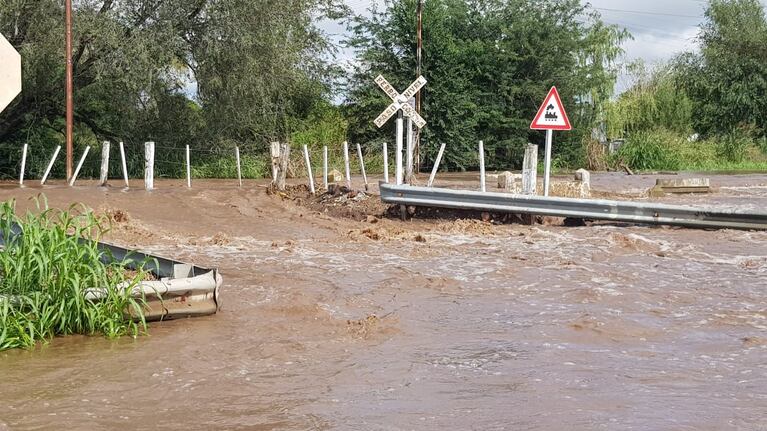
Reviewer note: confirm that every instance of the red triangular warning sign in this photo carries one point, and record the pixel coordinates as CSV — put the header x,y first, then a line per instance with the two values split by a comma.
x,y
551,115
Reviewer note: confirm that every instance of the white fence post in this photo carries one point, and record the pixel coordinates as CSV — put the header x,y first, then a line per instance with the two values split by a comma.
x,y
79,166
547,167
50,165
325,167
362,166
309,169
23,164
436,166
409,167
125,166
386,162
239,168
188,168
104,177
149,165
348,168
398,155
482,166
530,170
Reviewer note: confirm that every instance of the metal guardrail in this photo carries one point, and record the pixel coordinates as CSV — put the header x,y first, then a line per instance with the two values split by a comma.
x,y
633,212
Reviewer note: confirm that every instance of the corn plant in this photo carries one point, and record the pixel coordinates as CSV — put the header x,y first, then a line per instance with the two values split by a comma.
x,y
49,261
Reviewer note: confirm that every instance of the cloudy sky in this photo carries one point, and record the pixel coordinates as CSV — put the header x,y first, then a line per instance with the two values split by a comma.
x,y
661,28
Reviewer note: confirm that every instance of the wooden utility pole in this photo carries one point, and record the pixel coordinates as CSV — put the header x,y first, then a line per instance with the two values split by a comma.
x,y
418,96
69,101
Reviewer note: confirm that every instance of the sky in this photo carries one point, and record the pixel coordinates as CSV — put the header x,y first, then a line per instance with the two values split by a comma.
x,y
661,28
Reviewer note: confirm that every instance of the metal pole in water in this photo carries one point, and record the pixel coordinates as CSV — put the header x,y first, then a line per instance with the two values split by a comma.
x,y
436,166
325,167
482,166
309,169
386,162
188,169
23,164
547,168
125,167
398,154
79,166
346,163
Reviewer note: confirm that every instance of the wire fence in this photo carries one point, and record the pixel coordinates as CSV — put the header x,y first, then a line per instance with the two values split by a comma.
x,y
170,161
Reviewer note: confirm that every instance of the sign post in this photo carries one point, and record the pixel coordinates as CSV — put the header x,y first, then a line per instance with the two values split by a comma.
x,y
551,116
10,73
401,106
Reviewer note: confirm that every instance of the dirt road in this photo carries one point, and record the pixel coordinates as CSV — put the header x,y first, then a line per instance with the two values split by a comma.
x,y
334,323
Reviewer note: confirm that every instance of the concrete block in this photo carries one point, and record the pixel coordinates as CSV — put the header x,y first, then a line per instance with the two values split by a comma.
x,y
510,182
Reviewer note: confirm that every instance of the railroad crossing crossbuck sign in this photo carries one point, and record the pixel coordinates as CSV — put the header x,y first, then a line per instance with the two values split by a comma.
x,y
400,101
10,73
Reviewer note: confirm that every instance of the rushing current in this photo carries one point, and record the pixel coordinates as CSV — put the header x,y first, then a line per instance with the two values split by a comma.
x,y
329,323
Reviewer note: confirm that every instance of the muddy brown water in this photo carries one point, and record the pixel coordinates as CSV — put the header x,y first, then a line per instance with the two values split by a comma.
x,y
433,325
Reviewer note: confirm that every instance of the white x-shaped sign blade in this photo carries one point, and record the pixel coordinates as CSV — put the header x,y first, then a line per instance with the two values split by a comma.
x,y
387,88
413,115
386,114
414,87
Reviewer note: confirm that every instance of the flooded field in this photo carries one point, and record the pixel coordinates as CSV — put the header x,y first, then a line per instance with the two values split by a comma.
x,y
332,323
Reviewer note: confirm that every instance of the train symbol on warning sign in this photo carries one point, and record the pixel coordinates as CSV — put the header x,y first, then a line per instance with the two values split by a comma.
x,y
551,115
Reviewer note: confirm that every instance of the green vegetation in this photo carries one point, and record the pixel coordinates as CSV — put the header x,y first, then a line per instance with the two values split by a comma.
x,y
215,75
203,73
489,65
703,111
46,271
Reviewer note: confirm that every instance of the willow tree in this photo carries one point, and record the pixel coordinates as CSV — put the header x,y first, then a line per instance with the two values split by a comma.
x,y
489,64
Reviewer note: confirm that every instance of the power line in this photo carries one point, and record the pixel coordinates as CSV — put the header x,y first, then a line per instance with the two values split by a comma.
x,y
648,13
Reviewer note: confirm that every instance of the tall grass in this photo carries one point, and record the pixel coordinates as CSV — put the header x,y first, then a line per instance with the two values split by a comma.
x,y
46,271
666,150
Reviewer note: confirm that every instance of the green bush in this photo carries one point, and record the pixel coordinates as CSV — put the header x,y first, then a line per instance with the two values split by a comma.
x,y
733,146
651,150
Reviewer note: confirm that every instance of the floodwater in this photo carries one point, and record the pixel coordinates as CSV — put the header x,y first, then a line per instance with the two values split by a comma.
x,y
329,323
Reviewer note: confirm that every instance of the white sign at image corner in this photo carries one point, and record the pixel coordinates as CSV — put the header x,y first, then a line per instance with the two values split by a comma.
x,y
10,73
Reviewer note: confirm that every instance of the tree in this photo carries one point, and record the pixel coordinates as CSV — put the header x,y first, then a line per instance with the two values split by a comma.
x,y
198,72
727,80
489,64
